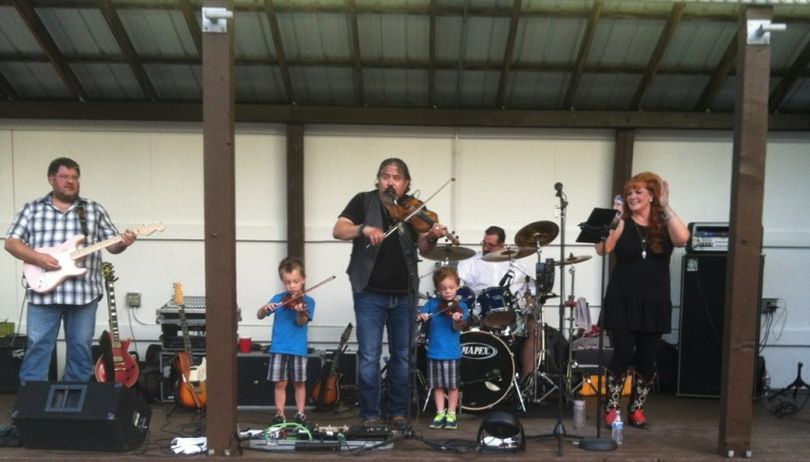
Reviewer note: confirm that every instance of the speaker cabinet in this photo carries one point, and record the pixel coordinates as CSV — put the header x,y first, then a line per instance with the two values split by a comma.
x,y
80,416
703,300
703,291
12,351
254,391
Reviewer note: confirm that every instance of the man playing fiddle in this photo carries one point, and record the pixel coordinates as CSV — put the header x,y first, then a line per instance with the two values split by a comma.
x,y
385,283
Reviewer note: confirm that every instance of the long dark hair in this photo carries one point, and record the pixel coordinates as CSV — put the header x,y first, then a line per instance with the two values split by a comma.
x,y
400,165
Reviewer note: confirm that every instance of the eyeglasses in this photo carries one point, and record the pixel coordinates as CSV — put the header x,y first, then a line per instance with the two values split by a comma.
x,y
489,245
68,177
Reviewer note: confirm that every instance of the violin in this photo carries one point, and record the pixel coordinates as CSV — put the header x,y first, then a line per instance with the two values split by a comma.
x,y
288,299
450,307
411,210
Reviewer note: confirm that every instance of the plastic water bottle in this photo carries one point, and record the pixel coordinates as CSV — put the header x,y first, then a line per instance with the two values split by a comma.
x,y
579,413
617,428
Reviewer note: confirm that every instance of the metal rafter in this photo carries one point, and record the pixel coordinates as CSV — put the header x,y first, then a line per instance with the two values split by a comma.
x,y
658,54
719,76
128,50
786,84
6,90
582,57
281,57
460,66
58,61
432,55
357,69
508,53
191,22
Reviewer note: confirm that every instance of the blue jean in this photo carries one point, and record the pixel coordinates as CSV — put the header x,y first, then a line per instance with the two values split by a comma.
x,y
43,328
373,312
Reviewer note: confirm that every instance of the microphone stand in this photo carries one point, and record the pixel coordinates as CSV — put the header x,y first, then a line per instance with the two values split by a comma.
x,y
559,432
595,230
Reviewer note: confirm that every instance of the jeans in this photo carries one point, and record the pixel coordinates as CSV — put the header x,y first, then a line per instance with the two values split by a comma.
x,y
396,313
43,329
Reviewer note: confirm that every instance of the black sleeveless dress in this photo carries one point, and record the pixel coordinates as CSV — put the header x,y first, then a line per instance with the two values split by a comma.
x,y
638,294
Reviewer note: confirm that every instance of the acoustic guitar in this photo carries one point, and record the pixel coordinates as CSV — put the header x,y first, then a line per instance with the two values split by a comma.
x,y
326,391
67,253
190,390
125,367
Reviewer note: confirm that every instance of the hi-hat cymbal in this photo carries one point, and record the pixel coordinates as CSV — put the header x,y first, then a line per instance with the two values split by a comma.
x,y
450,253
508,253
537,233
572,259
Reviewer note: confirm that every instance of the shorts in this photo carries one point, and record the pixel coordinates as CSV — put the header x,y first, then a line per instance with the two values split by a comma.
x,y
283,366
443,373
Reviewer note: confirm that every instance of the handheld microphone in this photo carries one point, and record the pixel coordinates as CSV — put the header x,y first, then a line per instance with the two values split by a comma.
x,y
618,200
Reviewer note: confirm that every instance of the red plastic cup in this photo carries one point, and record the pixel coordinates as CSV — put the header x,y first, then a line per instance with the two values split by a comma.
x,y
245,344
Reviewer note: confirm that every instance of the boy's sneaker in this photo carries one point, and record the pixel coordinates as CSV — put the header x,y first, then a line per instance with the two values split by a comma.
x,y
278,419
301,419
451,422
439,420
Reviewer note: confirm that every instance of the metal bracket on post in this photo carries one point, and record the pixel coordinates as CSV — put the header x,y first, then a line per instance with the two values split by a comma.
x,y
759,31
215,19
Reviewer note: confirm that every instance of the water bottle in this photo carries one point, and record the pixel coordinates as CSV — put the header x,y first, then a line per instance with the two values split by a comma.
x,y
579,413
617,428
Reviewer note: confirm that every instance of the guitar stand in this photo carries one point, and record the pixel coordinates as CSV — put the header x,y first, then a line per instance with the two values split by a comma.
x,y
795,386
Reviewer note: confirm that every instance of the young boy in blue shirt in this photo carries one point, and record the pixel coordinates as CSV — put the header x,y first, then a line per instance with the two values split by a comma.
x,y
447,316
288,347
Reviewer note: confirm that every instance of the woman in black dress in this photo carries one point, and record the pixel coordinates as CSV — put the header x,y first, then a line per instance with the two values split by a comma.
x,y
638,309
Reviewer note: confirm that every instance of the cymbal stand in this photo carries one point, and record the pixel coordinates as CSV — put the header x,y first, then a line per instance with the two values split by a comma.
x,y
572,365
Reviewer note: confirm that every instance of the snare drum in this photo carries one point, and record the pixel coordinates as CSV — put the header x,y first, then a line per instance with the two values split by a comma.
x,y
497,307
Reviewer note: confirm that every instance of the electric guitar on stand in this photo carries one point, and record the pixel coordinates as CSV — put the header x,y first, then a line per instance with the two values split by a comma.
x,y
326,392
124,366
190,390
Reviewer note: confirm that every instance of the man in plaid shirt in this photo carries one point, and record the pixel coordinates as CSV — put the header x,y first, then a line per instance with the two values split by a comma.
x,y
48,222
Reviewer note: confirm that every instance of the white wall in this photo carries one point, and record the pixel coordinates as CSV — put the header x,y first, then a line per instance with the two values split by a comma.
x,y
146,173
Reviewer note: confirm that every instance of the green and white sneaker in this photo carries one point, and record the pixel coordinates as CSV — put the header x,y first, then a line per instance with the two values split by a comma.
x,y
439,420
450,422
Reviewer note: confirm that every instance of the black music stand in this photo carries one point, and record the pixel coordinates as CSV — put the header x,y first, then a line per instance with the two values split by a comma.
x,y
595,230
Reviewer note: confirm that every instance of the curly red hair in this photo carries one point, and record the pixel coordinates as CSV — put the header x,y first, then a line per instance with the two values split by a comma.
x,y
656,227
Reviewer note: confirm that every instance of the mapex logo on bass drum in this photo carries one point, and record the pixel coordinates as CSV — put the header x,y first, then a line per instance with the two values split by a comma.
x,y
474,350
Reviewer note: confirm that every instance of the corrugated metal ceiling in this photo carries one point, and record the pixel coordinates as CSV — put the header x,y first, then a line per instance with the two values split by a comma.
x,y
603,55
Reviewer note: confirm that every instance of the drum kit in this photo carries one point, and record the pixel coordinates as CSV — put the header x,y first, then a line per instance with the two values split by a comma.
x,y
500,323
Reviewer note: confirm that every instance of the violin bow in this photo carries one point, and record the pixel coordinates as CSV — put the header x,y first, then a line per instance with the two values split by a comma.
x,y
418,209
296,297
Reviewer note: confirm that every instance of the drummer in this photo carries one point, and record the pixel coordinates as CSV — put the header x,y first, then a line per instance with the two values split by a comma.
x,y
479,274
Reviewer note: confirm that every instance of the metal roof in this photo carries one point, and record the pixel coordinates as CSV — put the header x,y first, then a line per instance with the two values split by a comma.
x,y
535,55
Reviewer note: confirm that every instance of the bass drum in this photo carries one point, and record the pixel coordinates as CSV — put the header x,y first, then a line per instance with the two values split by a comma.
x,y
487,370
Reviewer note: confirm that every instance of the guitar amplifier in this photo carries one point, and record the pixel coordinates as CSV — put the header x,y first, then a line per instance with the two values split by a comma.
x,y
171,337
194,308
12,350
255,392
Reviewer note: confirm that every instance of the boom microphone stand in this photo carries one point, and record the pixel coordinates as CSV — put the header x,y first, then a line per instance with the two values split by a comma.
x,y
559,428
596,229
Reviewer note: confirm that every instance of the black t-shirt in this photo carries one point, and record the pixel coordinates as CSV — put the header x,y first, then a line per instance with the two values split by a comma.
x,y
390,273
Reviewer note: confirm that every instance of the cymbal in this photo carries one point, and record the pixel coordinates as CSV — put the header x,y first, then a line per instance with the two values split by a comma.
x,y
572,259
542,232
449,252
508,253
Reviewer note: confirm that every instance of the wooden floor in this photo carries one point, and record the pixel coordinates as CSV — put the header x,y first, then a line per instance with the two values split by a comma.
x,y
682,429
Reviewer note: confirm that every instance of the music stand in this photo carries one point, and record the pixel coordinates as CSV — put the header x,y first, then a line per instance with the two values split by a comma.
x,y
595,230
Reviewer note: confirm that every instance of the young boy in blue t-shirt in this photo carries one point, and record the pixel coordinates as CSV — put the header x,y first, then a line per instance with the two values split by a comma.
x,y
288,347
447,317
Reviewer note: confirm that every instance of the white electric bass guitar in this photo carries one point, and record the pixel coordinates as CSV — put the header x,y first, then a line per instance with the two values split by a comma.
x,y
67,253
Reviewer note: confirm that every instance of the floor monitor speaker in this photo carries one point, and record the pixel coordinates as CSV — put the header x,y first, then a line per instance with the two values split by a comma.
x,y
80,416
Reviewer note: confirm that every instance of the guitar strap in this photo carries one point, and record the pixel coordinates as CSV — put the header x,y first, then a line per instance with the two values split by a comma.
x,y
82,217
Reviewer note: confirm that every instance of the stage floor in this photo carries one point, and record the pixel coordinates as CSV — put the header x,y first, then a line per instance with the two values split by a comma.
x,y
681,429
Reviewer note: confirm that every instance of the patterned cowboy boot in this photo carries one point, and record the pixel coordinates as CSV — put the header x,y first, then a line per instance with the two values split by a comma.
x,y
638,395
614,395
